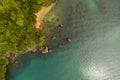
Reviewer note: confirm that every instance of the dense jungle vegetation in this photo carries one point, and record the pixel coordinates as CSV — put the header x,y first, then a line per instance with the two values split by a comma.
x,y
17,30
3,64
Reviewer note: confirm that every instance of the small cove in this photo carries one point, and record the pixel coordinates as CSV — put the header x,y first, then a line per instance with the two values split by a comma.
x,y
93,53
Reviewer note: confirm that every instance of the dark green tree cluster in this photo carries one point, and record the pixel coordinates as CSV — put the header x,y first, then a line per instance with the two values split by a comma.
x,y
17,30
3,64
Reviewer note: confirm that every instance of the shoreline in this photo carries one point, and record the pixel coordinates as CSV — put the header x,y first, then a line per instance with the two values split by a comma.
x,y
11,55
38,25
40,15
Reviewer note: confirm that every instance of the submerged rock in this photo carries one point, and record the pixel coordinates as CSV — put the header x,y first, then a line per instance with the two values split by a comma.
x,y
69,40
50,50
16,62
54,37
60,25
60,46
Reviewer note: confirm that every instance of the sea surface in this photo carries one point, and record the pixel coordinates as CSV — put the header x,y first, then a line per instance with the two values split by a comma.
x,y
94,53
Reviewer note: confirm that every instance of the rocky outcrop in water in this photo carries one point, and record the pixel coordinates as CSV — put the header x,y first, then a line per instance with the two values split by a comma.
x,y
45,50
68,40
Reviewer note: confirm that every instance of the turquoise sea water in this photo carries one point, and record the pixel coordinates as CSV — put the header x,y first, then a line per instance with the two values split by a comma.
x,y
94,54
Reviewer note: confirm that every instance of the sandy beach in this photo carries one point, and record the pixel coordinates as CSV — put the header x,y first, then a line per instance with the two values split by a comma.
x,y
40,14
39,17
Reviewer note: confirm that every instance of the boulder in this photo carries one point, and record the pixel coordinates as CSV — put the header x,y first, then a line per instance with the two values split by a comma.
x,y
68,39
54,37
45,50
16,62
60,25
50,50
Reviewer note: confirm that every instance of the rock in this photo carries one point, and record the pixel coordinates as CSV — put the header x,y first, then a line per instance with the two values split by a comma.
x,y
37,48
16,62
41,48
69,40
8,55
50,50
60,25
54,37
45,50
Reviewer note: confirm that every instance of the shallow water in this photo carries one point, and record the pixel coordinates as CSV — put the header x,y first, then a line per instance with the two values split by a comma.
x,y
94,54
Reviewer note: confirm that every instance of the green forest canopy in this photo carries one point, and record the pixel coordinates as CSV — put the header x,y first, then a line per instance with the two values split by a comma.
x,y
17,31
3,64
17,21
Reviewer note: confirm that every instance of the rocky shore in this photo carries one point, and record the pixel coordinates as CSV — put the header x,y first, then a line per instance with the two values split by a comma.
x,y
45,49
42,51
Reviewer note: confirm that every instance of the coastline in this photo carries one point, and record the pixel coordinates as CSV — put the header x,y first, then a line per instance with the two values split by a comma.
x,y
38,25
40,15
11,55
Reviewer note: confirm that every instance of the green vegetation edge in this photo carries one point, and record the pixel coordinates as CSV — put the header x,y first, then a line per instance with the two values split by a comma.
x,y
17,30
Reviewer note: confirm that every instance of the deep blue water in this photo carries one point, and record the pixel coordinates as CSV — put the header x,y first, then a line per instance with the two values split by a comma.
x,y
94,54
